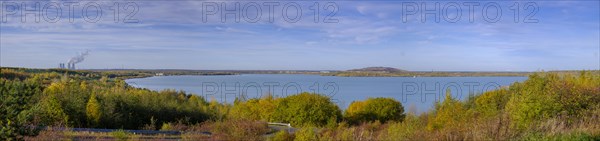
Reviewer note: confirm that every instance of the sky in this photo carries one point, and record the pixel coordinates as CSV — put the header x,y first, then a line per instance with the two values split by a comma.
x,y
303,35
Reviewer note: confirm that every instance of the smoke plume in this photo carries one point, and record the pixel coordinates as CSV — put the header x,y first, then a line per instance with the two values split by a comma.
x,y
79,58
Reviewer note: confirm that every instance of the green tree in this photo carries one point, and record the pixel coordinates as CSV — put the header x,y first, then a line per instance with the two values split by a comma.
x,y
93,110
306,109
50,112
245,109
255,109
532,101
375,109
449,113
547,95
492,103
16,119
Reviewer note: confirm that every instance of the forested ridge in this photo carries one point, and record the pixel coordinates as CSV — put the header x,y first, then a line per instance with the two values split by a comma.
x,y
547,106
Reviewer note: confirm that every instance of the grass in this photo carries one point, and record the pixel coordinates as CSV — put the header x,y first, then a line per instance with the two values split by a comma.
x,y
121,135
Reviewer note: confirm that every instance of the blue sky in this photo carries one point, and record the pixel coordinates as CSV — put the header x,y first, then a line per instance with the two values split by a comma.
x,y
173,35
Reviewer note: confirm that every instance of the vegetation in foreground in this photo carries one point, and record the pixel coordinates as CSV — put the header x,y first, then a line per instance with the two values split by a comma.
x,y
547,106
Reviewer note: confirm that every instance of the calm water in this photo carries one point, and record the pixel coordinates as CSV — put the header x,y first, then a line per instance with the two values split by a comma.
x,y
415,93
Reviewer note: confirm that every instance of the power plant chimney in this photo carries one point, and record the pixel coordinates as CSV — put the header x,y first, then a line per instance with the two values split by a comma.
x,y
71,66
74,60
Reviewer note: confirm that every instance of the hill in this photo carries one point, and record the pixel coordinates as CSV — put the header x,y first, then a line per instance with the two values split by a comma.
x,y
378,69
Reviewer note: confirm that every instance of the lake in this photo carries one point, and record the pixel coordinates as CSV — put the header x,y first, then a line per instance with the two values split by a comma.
x,y
417,94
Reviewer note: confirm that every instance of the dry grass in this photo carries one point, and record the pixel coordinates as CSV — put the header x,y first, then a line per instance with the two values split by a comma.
x,y
495,128
61,135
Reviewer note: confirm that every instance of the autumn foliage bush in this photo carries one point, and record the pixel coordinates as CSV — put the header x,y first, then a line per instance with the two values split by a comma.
x,y
374,109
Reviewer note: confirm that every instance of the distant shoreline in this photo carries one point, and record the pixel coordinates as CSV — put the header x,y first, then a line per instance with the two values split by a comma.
x,y
143,73
431,74
338,73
